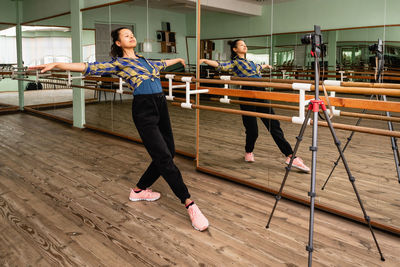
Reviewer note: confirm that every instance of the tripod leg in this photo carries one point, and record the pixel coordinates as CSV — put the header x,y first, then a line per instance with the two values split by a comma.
x,y
351,178
310,247
288,168
394,143
344,148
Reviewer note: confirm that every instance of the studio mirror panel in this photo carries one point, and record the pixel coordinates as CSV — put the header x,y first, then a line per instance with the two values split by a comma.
x,y
160,31
48,41
110,111
222,141
349,57
8,60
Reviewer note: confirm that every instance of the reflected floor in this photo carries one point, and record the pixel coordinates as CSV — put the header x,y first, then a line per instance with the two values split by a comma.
x,y
37,97
370,158
116,116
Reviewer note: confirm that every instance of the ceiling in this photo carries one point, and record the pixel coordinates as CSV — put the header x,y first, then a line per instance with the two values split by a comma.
x,y
241,7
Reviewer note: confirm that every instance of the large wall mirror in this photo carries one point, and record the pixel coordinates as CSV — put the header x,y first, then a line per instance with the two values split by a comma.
x,y
350,56
45,41
161,32
8,60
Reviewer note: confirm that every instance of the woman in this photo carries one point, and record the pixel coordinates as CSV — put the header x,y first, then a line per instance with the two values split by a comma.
x,y
149,113
241,67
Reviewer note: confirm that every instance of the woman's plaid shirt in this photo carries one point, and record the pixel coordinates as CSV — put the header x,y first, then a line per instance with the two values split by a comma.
x,y
240,67
129,69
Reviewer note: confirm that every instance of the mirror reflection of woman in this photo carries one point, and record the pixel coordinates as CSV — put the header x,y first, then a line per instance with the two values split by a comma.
x,y
149,113
241,67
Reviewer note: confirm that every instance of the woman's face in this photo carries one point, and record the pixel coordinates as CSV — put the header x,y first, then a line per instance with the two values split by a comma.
x,y
126,39
240,48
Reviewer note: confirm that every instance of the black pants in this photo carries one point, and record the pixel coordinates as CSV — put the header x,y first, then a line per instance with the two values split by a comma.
x,y
151,117
273,126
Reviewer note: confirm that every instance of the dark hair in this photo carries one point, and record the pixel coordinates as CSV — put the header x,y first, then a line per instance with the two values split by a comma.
x,y
233,44
116,51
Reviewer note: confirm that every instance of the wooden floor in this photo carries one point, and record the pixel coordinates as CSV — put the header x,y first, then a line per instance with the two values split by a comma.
x,y
64,201
222,139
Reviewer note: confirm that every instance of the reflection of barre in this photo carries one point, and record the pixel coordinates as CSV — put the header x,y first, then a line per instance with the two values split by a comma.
x,y
189,92
341,126
342,75
18,71
302,87
225,100
70,78
170,77
350,75
283,74
38,75
121,84
333,94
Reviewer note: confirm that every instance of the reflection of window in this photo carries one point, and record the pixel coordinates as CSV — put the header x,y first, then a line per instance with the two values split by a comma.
x,y
52,44
258,58
285,58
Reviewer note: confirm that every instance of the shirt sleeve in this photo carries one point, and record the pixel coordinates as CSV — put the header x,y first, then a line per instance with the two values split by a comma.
x,y
259,68
225,65
99,68
159,64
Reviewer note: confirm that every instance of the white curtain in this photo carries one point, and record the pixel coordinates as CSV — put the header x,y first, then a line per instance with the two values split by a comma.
x,y
41,50
8,50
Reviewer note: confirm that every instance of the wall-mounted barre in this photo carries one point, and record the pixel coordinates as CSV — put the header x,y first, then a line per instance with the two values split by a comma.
x,y
170,77
225,99
285,118
301,87
189,92
70,78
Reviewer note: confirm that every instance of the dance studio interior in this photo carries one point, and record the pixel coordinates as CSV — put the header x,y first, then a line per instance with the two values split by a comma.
x,y
285,117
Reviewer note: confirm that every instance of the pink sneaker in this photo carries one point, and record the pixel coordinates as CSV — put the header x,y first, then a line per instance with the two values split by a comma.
x,y
147,195
249,157
199,221
298,164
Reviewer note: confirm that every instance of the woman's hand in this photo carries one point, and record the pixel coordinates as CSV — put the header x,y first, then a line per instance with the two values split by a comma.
x,y
43,67
266,66
182,61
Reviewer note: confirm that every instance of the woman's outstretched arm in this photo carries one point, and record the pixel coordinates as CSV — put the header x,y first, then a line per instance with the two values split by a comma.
x,y
209,62
170,62
264,66
58,65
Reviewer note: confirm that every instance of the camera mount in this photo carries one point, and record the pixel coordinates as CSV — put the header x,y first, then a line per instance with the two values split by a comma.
x,y
315,39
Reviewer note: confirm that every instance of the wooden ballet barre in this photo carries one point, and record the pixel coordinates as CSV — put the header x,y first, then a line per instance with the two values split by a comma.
x,y
289,119
76,86
264,79
296,108
344,84
349,90
163,73
392,73
349,76
371,85
289,97
258,104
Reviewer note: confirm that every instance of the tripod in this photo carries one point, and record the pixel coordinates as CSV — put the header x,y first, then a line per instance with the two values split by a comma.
x,y
379,62
316,40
